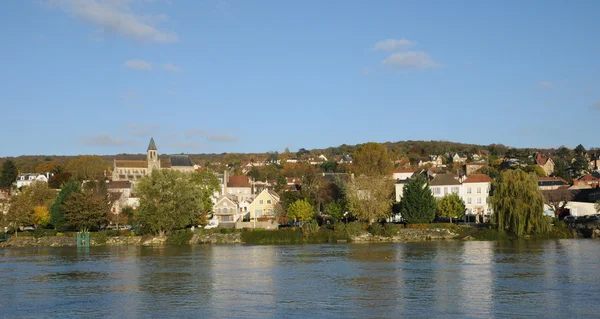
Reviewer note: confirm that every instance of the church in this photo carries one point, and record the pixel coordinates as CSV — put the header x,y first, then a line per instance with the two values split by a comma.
x,y
134,170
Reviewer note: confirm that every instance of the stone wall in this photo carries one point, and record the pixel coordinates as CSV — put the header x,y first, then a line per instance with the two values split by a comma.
x,y
408,235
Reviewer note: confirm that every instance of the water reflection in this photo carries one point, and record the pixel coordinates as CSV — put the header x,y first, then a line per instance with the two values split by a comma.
x,y
452,279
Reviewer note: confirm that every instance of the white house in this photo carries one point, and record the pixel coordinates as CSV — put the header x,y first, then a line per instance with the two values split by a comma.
x,y
444,184
27,178
476,195
402,174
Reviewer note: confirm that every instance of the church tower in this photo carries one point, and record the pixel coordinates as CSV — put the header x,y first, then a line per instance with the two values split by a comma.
x,y
152,156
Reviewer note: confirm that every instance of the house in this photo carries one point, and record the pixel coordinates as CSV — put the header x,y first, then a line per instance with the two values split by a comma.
x,y
459,158
238,186
433,160
227,211
586,181
123,191
595,163
28,178
551,183
292,160
547,164
293,183
402,174
471,168
134,170
476,193
399,187
346,159
444,184
264,205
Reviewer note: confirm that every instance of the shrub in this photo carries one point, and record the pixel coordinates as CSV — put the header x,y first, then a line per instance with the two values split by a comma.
x,y
40,232
180,237
376,229
101,237
349,230
390,230
226,230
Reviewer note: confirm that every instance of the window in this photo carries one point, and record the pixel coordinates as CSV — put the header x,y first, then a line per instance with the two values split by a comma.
x,y
268,201
479,200
478,190
468,190
469,200
455,190
225,218
258,212
437,190
231,210
260,202
445,190
218,210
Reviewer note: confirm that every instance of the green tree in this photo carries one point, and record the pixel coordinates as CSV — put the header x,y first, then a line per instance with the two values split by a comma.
x,y
86,168
8,175
301,210
518,204
88,209
22,206
370,197
451,205
208,184
417,204
533,168
168,200
57,210
336,209
372,159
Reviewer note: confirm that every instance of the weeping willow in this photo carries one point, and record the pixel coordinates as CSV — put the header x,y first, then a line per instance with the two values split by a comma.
x,y
518,204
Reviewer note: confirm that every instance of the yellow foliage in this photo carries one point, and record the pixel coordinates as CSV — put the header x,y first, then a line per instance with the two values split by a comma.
x,y
41,215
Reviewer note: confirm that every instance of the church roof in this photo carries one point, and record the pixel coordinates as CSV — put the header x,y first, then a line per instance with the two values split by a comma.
x,y
131,164
180,160
152,145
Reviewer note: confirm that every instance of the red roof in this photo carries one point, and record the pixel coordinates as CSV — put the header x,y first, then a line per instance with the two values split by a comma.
x,y
478,178
588,178
541,160
239,181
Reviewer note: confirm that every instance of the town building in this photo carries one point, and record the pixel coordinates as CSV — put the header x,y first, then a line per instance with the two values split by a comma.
x,y
444,184
547,164
27,179
551,183
472,168
476,193
134,170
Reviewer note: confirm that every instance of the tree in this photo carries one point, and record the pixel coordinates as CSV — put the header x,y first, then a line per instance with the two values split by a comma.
x,y
518,204
168,200
301,210
580,165
57,210
87,210
370,197
557,199
21,211
208,185
451,205
86,168
8,175
336,210
41,216
47,167
597,206
533,168
417,204
372,159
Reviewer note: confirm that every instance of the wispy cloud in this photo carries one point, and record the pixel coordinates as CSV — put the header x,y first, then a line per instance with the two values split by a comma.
x,y
142,130
596,105
139,65
102,139
411,60
545,84
222,138
171,68
393,44
117,16
195,132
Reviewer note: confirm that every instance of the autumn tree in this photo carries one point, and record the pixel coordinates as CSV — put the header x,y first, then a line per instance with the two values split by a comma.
x,y
57,209
451,205
370,197
557,199
57,180
417,204
8,175
41,216
301,210
21,210
168,200
372,159
47,167
87,167
518,204
89,208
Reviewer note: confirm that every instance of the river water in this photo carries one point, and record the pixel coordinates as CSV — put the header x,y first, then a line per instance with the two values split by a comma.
x,y
453,279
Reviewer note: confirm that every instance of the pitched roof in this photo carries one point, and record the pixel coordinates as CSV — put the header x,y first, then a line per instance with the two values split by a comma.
x,y
181,160
540,160
444,179
588,178
131,164
239,181
165,164
478,178
551,181
152,145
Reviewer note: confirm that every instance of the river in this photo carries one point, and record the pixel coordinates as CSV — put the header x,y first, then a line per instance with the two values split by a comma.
x,y
451,279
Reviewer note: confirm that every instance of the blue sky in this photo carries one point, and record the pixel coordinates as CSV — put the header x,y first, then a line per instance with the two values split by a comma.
x,y
101,77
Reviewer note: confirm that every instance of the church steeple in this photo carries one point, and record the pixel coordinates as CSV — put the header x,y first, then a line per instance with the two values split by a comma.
x,y
152,145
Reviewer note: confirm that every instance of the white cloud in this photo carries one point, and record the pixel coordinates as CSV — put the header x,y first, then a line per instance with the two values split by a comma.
x,y
143,130
545,84
222,138
171,68
102,139
393,44
194,133
117,16
139,65
411,59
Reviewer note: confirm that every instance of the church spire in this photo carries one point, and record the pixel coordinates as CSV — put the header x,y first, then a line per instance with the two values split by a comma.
x,y
152,145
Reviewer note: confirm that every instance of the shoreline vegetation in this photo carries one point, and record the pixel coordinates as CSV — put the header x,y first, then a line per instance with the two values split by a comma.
x,y
354,232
